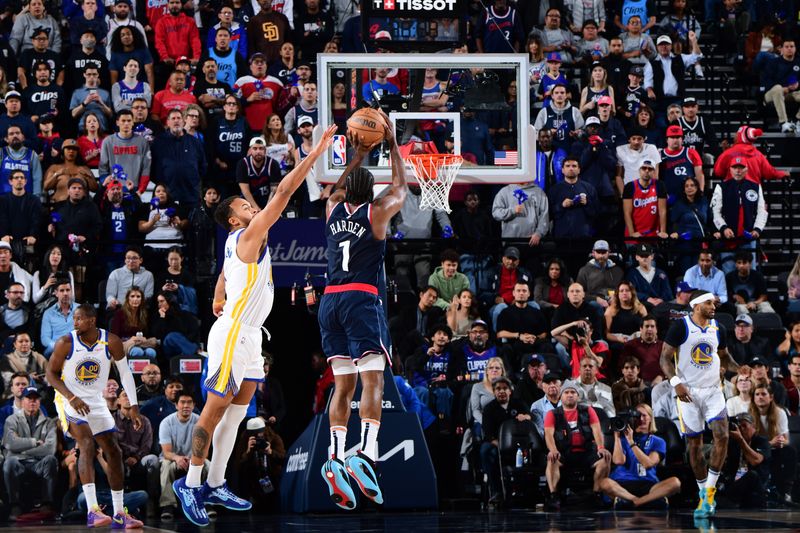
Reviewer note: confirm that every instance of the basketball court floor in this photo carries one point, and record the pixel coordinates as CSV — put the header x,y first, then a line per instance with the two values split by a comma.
x,y
464,521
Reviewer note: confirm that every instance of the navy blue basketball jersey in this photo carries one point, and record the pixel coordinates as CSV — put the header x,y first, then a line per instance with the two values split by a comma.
x,y
354,255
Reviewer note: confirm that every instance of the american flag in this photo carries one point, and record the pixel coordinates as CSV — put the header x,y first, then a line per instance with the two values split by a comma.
x,y
506,158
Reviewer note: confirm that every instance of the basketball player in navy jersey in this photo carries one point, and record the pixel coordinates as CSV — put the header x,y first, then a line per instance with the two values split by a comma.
x,y
352,319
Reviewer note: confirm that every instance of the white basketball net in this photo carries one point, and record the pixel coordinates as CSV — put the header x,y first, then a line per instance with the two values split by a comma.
x,y
435,174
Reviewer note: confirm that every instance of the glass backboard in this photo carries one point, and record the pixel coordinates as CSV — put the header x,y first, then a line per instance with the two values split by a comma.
x,y
447,102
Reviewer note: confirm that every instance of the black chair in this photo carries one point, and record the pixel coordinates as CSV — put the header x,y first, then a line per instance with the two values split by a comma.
x,y
767,321
726,320
794,432
517,482
676,447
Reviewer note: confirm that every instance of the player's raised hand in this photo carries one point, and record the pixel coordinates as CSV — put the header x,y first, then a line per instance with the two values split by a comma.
x,y
388,129
325,141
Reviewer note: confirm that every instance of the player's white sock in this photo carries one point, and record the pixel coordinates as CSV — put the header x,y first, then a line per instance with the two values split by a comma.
x,y
369,437
193,477
701,483
224,439
338,438
91,496
711,480
117,500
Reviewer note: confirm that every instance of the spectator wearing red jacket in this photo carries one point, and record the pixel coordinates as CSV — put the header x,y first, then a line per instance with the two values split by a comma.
x,y
176,36
262,95
175,96
758,167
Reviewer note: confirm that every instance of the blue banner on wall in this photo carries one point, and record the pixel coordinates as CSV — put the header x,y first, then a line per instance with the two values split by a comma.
x,y
297,246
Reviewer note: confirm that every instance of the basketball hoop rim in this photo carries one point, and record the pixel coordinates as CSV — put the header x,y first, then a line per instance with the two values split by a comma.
x,y
427,166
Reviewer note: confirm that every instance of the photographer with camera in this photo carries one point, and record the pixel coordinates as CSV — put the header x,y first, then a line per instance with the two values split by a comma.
x,y
580,345
637,453
259,461
745,472
574,442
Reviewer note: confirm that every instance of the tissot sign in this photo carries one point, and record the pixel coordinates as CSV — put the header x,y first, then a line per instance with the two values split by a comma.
x,y
439,6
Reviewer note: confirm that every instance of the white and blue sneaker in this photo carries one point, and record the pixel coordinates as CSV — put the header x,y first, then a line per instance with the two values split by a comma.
x,y
191,500
362,469
223,496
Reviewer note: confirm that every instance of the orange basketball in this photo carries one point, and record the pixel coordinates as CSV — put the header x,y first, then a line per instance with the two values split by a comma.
x,y
368,124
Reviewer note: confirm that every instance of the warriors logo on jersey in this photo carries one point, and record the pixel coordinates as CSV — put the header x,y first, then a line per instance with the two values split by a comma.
x,y
87,371
702,354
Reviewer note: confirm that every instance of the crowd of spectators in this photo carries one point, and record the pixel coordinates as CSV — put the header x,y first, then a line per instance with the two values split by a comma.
x,y
125,122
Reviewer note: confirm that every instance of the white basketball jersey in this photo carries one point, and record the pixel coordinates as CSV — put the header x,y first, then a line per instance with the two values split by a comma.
x,y
698,360
248,286
86,368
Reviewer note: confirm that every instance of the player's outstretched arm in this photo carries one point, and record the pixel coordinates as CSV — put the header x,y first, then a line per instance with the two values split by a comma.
x,y
54,368
125,376
667,362
253,236
388,206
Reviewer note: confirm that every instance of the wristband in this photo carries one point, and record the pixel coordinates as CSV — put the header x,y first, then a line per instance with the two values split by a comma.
x,y
601,447
675,381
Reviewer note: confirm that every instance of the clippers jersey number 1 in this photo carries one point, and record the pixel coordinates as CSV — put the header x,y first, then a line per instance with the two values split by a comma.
x,y
345,246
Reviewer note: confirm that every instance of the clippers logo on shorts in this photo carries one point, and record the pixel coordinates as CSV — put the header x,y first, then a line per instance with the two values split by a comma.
x,y
339,151
702,354
87,372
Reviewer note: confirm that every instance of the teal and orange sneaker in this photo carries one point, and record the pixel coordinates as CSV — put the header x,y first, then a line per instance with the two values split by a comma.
x,y
362,469
335,475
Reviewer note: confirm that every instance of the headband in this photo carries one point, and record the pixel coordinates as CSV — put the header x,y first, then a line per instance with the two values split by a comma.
x,y
702,298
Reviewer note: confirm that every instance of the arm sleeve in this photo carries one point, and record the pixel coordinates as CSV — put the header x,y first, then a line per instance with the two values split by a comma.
x,y
716,208
761,212
126,379
677,333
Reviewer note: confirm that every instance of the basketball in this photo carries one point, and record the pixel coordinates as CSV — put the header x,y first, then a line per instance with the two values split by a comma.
x,y
368,123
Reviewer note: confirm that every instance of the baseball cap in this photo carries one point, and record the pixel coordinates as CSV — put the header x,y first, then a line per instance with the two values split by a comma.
x,y
31,391
674,131
593,120
643,250
637,131
478,322
512,252
72,181
256,424
13,94
258,55
4,245
605,100
737,161
114,184
257,141
39,30
690,100
502,379
647,163
744,318
305,119
534,359
550,377
683,287
554,57
569,385
745,417
69,143
757,361
600,245
664,39
183,59
383,34
637,71
122,2
303,63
